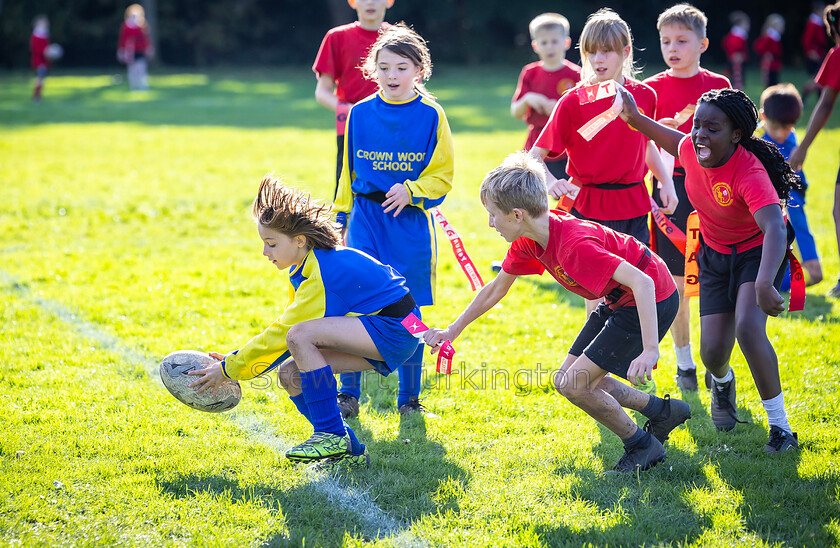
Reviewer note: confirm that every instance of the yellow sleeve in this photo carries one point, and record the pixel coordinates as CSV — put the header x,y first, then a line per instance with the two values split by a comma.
x,y
436,180
260,353
344,195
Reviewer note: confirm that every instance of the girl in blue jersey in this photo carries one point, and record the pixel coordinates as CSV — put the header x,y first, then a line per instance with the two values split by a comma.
x,y
343,315
398,164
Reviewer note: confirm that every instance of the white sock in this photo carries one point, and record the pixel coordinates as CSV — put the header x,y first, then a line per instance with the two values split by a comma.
x,y
775,408
684,359
726,378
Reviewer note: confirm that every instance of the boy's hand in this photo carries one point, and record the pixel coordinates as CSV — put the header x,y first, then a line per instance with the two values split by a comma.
x,y
562,187
629,111
669,198
641,368
435,337
396,198
210,377
769,299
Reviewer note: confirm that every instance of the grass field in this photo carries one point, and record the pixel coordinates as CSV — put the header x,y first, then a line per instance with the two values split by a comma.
x,y
126,235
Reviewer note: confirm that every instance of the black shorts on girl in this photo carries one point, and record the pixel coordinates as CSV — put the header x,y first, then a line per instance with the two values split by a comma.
x,y
721,274
613,338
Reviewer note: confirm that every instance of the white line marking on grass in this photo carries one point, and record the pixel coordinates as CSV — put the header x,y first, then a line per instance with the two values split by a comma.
x,y
374,520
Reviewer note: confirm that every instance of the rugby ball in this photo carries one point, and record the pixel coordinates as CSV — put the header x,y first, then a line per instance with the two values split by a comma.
x,y
53,52
173,373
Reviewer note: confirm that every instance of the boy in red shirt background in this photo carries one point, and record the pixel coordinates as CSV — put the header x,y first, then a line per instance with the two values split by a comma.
x,y
38,43
135,47
769,48
735,46
343,50
815,46
621,337
682,38
543,82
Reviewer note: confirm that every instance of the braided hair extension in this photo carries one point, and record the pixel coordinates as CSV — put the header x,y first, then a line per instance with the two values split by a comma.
x,y
744,116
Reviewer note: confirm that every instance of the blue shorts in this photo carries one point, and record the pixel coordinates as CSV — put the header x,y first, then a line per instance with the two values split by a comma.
x,y
405,242
392,340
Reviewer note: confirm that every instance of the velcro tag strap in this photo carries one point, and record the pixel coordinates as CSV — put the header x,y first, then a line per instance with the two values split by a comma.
x,y
596,92
692,247
446,352
341,111
459,250
797,284
669,229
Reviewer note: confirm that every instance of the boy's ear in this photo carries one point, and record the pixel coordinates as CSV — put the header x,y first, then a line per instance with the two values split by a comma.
x,y
352,3
534,45
390,3
568,43
704,45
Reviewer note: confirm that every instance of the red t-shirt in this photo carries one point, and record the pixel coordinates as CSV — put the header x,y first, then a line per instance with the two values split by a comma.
x,y
342,51
676,95
615,155
814,38
829,74
134,38
769,45
727,197
553,84
735,42
37,44
582,256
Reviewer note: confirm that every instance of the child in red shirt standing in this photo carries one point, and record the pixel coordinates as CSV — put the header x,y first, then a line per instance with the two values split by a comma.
x,y
621,337
341,82
829,79
815,45
38,43
682,38
736,181
610,168
769,48
543,82
135,47
735,46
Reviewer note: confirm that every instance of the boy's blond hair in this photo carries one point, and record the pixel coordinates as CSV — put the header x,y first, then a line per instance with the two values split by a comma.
x,y
548,21
138,12
605,31
293,212
684,15
517,183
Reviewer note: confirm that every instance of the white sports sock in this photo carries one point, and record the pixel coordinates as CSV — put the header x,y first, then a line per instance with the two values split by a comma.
x,y
684,359
726,378
775,408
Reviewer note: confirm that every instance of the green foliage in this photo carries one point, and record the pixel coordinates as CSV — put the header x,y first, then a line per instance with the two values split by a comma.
x,y
126,235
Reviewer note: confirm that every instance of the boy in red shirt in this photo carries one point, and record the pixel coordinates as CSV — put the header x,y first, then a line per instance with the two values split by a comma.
x,y
737,182
769,48
543,82
135,47
621,337
343,50
682,38
735,46
815,45
38,43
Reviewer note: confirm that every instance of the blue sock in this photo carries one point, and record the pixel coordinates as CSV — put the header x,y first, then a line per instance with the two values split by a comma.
x,y
411,376
319,392
351,384
355,447
300,403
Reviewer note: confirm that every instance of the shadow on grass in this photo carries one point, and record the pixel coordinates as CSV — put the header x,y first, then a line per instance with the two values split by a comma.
x,y
549,284
817,309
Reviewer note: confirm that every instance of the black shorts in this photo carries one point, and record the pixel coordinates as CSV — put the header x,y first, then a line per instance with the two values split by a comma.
x,y
636,227
673,257
557,168
812,67
613,338
339,161
721,274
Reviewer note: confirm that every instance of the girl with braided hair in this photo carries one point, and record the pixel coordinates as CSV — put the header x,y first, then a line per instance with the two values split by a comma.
x,y
738,184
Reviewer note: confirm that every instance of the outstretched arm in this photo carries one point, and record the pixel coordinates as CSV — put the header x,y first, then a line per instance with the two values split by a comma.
x,y
667,138
484,300
818,119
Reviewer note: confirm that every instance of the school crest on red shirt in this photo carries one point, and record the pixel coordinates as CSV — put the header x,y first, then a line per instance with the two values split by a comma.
x,y
723,193
560,274
565,85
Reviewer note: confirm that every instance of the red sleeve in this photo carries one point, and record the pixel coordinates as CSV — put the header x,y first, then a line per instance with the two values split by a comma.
x,y
121,41
757,190
519,262
591,266
325,61
829,74
522,86
553,134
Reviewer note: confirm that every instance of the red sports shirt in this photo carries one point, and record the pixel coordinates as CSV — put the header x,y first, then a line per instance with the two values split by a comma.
x,y
37,44
727,197
553,84
582,256
677,95
829,74
735,42
342,51
814,38
768,45
134,38
615,155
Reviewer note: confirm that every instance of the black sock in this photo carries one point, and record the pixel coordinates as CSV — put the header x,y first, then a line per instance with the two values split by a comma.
x,y
638,439
654,407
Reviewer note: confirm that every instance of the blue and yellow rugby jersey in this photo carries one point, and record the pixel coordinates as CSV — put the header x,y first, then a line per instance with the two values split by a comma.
x,y
390,143
328,283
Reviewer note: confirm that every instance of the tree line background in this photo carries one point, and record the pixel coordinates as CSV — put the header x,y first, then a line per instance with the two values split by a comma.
x,y
204,33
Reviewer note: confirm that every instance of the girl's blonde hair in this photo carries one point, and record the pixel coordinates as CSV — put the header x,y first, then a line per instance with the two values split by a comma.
x,y
294,212
605,31
402,40
138,12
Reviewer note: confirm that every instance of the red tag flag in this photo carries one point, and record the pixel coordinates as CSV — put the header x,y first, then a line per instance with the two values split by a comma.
x,y
446,352
460,252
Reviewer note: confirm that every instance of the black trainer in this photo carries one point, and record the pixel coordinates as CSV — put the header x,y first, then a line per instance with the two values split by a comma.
x,y
646,454
414,406
781,440
675,413
348,405
687,379
724,411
